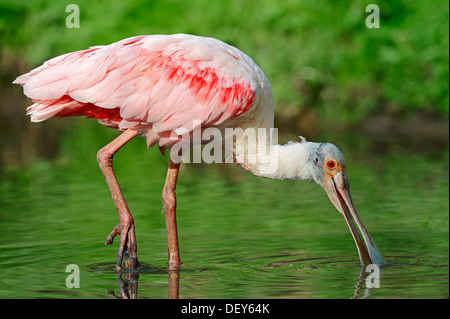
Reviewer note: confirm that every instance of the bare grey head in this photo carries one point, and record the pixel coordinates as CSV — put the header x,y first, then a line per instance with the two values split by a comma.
x,y
322,158
328,168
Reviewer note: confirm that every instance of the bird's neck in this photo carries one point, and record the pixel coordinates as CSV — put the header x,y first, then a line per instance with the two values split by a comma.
x,y
274,161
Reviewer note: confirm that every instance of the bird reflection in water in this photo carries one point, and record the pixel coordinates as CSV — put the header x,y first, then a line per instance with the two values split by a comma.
x,y
128,285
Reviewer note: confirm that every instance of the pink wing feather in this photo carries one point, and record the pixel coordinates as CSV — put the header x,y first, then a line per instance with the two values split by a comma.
x,y
158,83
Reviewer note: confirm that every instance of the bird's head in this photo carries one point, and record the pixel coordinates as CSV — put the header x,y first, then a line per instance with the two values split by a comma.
x,y
328,168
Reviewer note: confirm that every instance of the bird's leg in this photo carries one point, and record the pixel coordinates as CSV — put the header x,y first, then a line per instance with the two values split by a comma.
x,y
126,225
169,206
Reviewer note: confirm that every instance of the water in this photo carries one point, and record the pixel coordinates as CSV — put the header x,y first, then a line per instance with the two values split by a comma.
x,y
240,236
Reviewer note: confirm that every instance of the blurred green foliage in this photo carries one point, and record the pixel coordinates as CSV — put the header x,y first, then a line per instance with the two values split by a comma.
x,y
317,54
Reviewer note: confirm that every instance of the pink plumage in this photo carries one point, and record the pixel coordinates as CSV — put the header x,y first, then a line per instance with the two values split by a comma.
x,y
157,83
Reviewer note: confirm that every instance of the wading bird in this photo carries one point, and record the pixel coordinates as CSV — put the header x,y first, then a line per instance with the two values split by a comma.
x,y
155,85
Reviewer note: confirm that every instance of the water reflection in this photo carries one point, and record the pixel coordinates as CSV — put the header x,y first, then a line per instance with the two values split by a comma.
x,y
362,291
128,284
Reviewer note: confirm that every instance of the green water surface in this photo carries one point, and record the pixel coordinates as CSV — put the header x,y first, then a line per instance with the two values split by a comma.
x,y
240,236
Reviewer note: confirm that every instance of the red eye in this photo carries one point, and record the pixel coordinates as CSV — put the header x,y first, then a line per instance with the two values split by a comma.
x,y
331,164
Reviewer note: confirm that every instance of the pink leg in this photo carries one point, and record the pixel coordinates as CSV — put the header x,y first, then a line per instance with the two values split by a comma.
x,y
126,226
169,206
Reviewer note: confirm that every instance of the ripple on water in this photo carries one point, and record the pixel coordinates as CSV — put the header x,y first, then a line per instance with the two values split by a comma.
x,y
298,276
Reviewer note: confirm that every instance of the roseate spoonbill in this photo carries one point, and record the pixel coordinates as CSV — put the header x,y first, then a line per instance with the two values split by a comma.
x,y
154,85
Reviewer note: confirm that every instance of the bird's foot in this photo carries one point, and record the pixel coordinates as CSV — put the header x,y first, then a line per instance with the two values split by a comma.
x,y
126,257
116,230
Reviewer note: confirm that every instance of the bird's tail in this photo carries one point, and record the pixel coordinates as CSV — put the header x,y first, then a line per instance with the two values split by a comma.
x,y
43,110
48,86
48,89
44,106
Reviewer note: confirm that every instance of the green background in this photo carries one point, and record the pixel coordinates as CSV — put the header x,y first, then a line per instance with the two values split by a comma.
x,y
381,95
